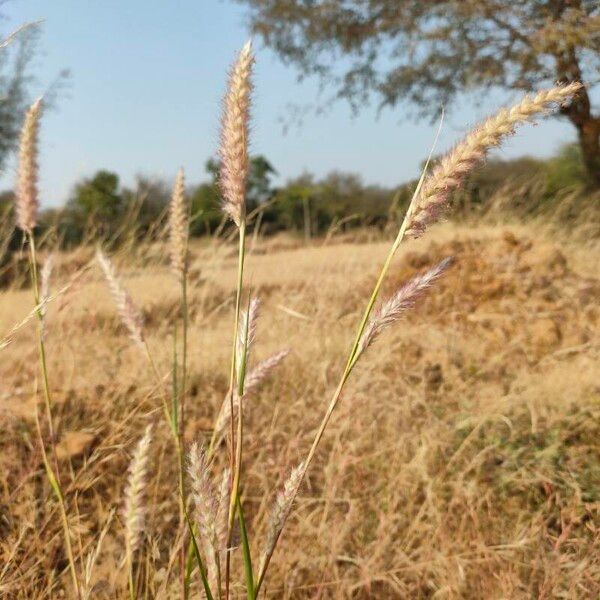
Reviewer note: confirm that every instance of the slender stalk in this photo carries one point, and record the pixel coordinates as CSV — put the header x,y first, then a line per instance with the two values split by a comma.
x,y
235,447
181,424
52,474
132,594
184,320
250,591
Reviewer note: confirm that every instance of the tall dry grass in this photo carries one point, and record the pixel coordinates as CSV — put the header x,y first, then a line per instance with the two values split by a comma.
x,y
224,541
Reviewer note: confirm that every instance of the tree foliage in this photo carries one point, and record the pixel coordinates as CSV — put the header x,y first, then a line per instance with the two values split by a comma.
x,y
15,78
99,207
429,52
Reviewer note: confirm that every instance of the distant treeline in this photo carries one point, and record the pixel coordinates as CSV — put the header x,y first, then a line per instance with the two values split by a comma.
x,y
100,208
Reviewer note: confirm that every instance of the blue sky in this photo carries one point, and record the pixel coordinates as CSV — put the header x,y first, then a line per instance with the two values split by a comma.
x,y
144,96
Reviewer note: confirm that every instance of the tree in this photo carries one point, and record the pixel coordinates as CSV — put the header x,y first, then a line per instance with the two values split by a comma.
x,y
313,206
429,51
17,51
206,212
147,202
14,79
98,198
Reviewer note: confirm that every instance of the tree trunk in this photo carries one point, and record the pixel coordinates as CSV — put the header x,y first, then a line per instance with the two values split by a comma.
x,y
579,112
589,140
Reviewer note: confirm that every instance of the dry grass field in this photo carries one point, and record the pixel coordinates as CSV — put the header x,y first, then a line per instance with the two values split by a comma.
x,y
463,461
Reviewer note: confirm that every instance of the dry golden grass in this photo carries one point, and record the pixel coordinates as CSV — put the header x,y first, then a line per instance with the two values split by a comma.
x,y
464,461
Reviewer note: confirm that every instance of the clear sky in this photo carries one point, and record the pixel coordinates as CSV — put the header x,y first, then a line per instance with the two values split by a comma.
x,y
144,96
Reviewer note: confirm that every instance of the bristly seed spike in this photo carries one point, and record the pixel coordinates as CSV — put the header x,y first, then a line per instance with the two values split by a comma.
x,y
235,124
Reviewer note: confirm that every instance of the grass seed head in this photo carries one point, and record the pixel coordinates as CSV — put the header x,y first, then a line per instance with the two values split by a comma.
x,y
404,299
45,274
281,511
247,332
130,314
206,506
178,226
27,202
452,170
235,124
135,510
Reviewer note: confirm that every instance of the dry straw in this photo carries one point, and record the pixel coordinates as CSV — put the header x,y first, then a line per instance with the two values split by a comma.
x,y
128,311
455,166
27,177
233,148
395,307
134,511
178,226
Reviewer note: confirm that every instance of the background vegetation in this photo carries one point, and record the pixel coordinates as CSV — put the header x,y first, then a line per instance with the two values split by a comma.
x,y
100,206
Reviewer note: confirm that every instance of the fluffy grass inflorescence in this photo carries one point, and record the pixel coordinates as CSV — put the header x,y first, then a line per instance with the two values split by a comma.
x,y
178,226
279,514
233,149
27,180
252,383
247,333
206,508
134,510
128,311
45,275
450,173
404,299
262,370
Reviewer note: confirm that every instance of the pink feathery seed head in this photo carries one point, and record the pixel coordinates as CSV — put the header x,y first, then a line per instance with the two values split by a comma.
x,y
247,331
45,274
280,513
134,510
253,380
130,315
178,226
393,308
262,371
252,320
235,123
202,489
223,510
27,202
452,170
206,504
